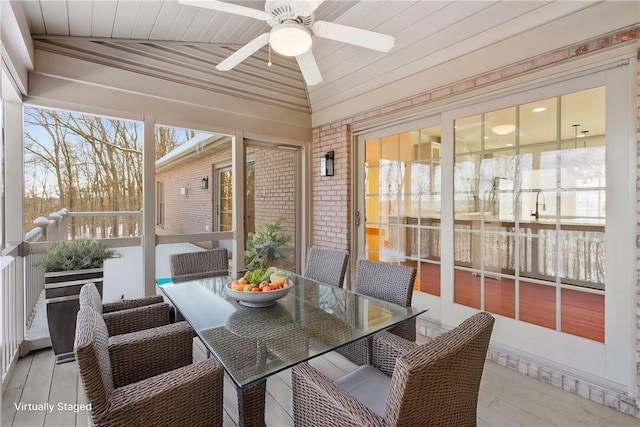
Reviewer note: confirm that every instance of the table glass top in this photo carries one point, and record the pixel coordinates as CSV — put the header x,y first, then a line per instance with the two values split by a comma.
x,y
253,343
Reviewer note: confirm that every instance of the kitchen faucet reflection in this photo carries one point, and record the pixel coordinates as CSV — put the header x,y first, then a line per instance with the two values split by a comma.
x,y
536,214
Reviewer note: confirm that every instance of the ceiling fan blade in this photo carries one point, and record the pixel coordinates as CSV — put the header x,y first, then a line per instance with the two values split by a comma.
x,y
357,36
222,6
243,53
309,68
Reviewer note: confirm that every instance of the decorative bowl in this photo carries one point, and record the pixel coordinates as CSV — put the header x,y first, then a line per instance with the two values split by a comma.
x,y
259,299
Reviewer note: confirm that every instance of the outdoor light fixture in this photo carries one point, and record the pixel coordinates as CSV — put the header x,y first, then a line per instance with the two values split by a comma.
x,y
290,39
326,164
204,184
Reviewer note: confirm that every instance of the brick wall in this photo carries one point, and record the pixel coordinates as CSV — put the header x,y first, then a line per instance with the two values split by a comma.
x,y
275,194
275,188
331,194
332,198
192,212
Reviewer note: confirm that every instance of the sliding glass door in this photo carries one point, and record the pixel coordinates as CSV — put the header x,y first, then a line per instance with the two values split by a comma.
x,y
519,206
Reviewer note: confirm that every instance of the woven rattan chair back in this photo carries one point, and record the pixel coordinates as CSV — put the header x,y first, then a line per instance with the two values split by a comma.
x,y
92,353
327,265
390,282
437,383
90,297
199,265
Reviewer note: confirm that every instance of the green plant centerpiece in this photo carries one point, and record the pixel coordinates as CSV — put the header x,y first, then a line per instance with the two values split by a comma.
x,y
80,254
68,265
266,247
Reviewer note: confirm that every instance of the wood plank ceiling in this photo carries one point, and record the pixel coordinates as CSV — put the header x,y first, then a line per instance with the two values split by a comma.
x,y
181,43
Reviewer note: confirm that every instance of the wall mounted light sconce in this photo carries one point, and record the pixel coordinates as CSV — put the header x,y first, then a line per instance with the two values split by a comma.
x,y
326,164
204,184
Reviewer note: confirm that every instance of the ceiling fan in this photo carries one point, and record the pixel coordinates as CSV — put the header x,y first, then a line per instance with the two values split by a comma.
x,y
292,25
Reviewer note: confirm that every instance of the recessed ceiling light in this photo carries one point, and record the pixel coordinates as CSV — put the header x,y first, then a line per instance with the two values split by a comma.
x,y
539,109
486,137
509,145
503,129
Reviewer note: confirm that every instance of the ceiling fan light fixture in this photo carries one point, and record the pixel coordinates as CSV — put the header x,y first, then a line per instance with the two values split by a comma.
x,y
290,39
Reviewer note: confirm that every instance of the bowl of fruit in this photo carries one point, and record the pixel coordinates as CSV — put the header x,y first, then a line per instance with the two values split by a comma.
x,y
260,288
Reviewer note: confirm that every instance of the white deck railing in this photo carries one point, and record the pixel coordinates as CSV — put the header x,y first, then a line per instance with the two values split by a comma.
x,y
63,225
33,285
11,298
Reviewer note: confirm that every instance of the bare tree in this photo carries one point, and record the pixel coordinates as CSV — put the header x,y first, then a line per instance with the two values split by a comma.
x,y
86,163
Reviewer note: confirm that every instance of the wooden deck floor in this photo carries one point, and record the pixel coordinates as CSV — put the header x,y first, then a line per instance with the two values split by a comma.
x,y
507,398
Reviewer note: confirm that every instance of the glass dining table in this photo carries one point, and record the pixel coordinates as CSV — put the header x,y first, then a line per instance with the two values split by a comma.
x,y
253,343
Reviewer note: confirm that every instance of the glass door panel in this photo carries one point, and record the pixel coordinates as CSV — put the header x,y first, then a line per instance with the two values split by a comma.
x,y
402,202
529,203
225,200
538,122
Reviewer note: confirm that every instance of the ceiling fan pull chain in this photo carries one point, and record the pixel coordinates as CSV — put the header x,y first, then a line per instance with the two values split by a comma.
x,y
269,63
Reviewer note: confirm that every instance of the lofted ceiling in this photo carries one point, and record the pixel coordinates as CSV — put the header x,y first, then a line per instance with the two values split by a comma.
x,y
436,42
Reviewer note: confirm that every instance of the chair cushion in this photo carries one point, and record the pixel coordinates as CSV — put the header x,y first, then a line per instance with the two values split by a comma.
x,y
369,386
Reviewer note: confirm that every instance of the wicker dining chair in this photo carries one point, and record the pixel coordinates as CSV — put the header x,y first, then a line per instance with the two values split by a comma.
x,y
389,282
128,381
127,315
434,384
327,265
199,265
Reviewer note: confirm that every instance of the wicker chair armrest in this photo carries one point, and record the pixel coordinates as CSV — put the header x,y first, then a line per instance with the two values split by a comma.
x,y
191,395
124,304
137,319
317,401
140,355
387,347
